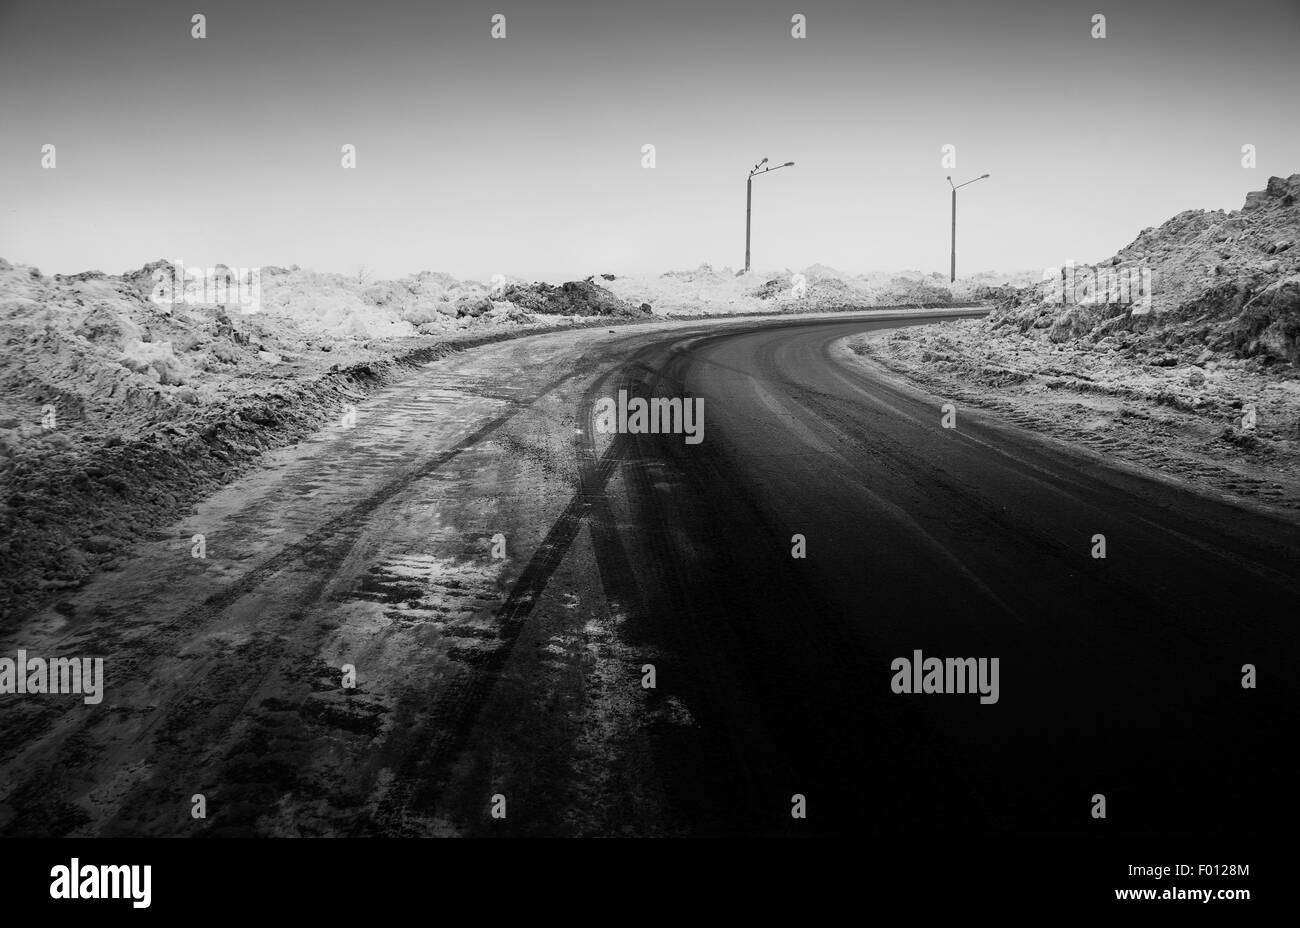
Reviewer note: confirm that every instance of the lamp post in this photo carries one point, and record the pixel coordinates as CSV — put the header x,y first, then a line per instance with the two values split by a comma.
x,y
749,198
953,276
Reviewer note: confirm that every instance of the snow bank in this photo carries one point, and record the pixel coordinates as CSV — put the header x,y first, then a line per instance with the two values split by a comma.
x,y
706,290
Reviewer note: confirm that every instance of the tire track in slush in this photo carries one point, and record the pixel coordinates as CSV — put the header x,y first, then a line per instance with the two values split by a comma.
x,y
323,550
457,708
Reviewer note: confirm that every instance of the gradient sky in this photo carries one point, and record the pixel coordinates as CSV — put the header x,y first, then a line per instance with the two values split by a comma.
x,y
523,155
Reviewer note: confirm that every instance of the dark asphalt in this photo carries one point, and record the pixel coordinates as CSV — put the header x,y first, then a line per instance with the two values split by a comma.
x,y
1119,676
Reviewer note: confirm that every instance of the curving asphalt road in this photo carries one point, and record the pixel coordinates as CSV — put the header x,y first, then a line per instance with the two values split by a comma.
x,y
1119,676
499,573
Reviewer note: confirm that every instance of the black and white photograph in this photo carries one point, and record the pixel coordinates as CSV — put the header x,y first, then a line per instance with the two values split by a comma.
x,y
429,420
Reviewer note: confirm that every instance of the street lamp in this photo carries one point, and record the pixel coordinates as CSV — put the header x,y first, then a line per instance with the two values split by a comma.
x,y
953,277
749,198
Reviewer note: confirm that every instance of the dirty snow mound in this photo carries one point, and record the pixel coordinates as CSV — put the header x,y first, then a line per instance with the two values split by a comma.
x,y
1226,281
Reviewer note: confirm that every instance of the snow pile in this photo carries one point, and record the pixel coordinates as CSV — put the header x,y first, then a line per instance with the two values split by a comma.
x,y
1229,282
340,306
817,288
330,304
576,298
156,360
425,303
